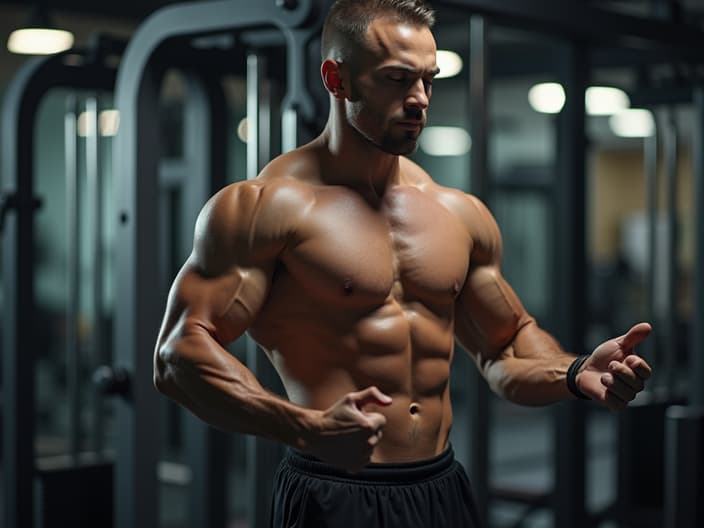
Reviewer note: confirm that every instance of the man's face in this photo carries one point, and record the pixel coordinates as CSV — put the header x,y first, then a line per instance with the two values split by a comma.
x,y
391,82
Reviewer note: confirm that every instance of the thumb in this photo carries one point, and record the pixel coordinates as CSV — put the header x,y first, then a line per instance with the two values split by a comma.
x,y
370,395
634,336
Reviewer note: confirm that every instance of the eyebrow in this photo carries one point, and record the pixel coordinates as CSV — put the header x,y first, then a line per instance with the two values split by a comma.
x,y
409,69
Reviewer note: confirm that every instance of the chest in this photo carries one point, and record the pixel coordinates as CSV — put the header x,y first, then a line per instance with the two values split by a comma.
x,y
411,247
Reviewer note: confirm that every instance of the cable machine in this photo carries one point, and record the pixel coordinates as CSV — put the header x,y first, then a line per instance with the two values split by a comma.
x,y
80,70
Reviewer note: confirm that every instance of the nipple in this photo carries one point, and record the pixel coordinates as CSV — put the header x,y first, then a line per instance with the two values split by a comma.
x,y
348,286
413,409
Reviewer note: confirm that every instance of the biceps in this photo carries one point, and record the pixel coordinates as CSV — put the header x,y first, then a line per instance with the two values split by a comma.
x,y
489,313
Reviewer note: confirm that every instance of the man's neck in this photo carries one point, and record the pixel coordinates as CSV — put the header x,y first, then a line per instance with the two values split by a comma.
x,y
355,161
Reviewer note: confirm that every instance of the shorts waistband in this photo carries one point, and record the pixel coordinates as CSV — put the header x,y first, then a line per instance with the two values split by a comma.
x,y
376,472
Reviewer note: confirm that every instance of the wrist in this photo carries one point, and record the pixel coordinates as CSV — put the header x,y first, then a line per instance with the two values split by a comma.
x,y
573,372
310,425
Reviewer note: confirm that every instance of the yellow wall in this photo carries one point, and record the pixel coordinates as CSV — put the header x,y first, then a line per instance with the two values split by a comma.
x,y
617,189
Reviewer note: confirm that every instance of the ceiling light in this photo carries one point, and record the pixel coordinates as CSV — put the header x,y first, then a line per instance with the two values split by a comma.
x,y
449,62
633,122
108,123
605,100
39,36
547,98
445,141
243,130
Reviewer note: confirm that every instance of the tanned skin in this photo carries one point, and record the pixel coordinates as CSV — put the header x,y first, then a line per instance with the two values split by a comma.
x,y
355,272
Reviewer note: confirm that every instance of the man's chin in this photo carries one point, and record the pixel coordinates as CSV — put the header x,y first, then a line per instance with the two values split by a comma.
x,y
400,148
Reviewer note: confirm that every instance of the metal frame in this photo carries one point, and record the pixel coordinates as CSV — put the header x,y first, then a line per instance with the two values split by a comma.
x,y
20,106
201,173
574,20
570,292
479,453
137,159
696,347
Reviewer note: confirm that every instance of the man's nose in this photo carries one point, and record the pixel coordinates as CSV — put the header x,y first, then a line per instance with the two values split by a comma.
x,y
417,97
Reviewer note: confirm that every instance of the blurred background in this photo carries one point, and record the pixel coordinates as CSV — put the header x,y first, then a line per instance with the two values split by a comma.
x,y
579,123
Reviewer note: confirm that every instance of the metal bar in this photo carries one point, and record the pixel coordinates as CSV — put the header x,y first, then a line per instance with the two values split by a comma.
x,y
696,346
18,304
670,316
575,19
479,186
570,291
94,239
297,104
137,314
205,447
650,161
94,190
262,456
73,273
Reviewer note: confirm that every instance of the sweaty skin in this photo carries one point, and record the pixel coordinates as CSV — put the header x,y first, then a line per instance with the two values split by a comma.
x,y
356,272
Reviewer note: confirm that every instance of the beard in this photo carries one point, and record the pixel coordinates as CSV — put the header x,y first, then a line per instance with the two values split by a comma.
x,y
400,146
391,138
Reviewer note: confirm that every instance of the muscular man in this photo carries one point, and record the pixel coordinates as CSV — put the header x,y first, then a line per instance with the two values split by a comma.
x,y
356,272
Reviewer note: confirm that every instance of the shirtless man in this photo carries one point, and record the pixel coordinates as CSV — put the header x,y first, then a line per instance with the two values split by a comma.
x,y
356,272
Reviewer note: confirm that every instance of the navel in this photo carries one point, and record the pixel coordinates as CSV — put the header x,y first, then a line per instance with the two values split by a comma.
x,y
347,287
414,409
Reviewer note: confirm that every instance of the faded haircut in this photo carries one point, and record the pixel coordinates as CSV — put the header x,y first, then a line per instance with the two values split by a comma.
x,y
348,20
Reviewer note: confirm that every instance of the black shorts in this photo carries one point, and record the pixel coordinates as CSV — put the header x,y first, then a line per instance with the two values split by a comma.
x,y
426,494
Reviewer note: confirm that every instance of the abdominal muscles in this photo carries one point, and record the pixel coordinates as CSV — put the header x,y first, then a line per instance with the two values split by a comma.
x,y
405,351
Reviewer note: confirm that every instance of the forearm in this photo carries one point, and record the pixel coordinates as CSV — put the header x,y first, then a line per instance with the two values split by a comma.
x,y
199,374
531,370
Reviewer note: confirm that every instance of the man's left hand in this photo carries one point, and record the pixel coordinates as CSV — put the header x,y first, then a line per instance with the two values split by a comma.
x,y
614,374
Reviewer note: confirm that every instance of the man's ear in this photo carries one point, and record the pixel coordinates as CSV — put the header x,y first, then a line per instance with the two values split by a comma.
x,y
332,79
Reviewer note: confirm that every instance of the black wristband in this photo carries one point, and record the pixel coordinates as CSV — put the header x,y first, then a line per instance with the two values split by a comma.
x,y
572,377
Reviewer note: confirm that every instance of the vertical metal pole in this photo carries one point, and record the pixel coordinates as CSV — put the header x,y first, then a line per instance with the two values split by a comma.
x,y
696,348
650,153
262,456
255,64
73,265
570,291
18,318
205,447
670,248
137,309
479,186
94,195
479,104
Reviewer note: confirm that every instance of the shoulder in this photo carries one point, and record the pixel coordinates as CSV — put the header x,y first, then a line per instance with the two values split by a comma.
x,y
253,219
470,210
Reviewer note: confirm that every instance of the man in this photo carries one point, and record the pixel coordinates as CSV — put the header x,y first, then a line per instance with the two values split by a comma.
x,y
356,272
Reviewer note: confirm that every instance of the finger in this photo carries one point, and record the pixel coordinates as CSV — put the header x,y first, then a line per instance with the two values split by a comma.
x,y
618,388
374,439
370,395
626,375
634,336
613,402
375,421
639,366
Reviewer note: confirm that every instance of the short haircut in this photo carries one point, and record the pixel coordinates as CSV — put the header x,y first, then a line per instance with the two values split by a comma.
x,y
348,20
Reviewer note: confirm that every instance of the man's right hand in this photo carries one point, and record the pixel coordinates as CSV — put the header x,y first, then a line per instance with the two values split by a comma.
x,y
345,435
